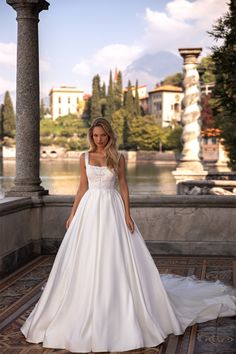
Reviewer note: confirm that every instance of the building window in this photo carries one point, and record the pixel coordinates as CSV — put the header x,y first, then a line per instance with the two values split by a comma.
x,y
214,140
59,99
68,100
177,107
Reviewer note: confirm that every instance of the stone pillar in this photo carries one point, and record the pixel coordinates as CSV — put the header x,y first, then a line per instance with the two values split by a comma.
x,y
190,166
27,181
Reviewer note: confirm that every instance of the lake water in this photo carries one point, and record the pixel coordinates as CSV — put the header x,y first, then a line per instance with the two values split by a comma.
x,y
62,177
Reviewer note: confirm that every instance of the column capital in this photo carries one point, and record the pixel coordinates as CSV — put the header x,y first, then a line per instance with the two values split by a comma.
x,y
190,55
35,5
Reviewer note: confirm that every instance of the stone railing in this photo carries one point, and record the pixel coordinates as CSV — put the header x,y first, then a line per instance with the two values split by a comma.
x,y
175,225
212,187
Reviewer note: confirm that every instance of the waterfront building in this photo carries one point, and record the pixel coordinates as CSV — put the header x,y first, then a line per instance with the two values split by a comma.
x,y
66,100
165,102
142,91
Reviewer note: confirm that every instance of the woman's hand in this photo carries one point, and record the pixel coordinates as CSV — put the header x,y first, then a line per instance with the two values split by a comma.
x,y
129,222
69,221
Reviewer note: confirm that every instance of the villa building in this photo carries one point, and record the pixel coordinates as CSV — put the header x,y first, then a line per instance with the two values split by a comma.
x,y
165,102
66,100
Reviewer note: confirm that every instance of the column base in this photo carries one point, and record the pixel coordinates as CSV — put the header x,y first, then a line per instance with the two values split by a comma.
x,y
188,171
20,193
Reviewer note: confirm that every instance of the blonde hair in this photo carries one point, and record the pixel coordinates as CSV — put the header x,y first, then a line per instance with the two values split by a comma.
x,y
111,151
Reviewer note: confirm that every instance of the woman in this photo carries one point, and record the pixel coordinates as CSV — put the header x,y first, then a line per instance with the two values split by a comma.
x,y
104,292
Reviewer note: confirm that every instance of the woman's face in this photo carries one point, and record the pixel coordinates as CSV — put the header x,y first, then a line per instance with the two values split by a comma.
x,y
100,137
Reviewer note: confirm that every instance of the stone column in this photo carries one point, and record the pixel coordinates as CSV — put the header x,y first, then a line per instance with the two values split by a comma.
x,y
27,181
190,166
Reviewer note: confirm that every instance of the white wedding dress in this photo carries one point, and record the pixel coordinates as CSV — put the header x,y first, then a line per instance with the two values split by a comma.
x,y
104,292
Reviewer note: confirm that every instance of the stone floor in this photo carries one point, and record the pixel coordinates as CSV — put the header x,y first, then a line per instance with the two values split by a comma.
x,y
20,291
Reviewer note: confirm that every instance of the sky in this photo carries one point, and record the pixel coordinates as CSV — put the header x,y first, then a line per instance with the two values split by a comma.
x,y
79,38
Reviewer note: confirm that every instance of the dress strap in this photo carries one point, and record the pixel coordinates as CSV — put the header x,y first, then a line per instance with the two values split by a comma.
x,y
86,157
119,156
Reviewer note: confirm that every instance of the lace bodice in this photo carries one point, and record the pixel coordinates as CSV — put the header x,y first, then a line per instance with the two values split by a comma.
x,y
99,177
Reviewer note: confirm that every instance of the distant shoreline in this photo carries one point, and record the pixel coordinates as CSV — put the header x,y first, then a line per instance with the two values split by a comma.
x,y
52,153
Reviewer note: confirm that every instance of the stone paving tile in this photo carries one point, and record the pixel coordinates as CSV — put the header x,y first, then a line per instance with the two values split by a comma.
x,y
20,290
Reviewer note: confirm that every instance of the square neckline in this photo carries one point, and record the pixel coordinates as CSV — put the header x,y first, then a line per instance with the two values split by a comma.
x,y
93,165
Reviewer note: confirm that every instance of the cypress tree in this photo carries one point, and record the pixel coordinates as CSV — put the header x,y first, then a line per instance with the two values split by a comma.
x,y
129,100
110,108
224,93
95,99
42,109
103,91
137,109
118,91
9,122
129,115
126,133
87,111
103,99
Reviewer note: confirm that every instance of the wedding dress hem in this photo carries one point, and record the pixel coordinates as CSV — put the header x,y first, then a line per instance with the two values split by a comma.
x,y
104,290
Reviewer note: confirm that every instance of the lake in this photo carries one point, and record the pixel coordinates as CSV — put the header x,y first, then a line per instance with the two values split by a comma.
x,y
62,177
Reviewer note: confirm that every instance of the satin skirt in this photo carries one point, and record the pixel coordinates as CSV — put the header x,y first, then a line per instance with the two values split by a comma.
x,y
104,292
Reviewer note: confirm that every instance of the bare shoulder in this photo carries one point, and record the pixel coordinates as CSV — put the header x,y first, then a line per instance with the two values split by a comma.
x,y
82,158
121,157
121,161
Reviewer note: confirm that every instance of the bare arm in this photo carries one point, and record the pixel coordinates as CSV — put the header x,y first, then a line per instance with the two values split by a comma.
x,y
124,191
83,186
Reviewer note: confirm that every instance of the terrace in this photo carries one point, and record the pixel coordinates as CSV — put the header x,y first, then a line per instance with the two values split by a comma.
x,y
188,235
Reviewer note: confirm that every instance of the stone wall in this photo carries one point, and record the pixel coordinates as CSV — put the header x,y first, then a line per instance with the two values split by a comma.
x,y
175,225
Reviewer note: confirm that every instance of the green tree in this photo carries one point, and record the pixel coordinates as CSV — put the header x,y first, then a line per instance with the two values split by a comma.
x,y
171,139
95,99
129,111
86,115
207,70
137,109
9,122
103,91
68,131
224,92
42,109
145,133
118,120
103,99
110,106
174,79
129,99
118,91
126,132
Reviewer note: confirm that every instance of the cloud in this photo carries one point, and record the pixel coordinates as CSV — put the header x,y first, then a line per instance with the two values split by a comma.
x,y
8,54
108,57
183,23
199,10
8,57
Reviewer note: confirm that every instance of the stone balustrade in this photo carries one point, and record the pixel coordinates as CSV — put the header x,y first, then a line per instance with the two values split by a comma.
x,y
175,225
